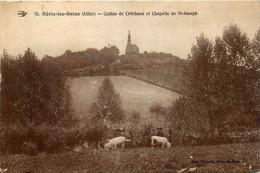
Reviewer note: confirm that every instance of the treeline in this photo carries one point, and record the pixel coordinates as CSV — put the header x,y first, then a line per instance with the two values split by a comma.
x,y
36,112
88,62
159,68
221,92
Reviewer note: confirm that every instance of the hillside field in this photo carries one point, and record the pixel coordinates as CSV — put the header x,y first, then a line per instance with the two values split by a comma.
x,y
242,158
135,94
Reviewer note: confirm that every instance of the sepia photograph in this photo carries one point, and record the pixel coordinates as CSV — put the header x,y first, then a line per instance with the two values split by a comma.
x,y
129,87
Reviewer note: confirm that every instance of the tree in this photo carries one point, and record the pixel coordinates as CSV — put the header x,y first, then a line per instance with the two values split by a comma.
x,y
198,71
34,92
221,85
185,118
109,54
235,78
197,77
133,127
108,106
256,45
157,109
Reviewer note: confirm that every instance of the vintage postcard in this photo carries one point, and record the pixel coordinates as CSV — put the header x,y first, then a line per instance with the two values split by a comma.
x,y
152,86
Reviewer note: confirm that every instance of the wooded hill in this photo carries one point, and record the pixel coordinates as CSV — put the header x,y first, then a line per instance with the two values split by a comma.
x,y
163,69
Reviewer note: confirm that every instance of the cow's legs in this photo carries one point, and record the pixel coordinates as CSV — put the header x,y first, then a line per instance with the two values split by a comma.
x,y
163,145
123,145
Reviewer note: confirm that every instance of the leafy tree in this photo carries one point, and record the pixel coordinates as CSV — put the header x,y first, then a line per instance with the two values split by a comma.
x,y
198,71
96,61
256,45
235,79
109,54
134,127
221,84
108,106
157,109
197,77
106,111
185,118
33,92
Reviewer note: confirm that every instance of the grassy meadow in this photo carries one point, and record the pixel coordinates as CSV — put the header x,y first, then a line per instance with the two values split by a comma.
x,y
135,94
243,158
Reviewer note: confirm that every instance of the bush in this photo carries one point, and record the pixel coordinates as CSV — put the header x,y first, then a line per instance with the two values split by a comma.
x,y
46,138
57,138
146,135
12,138
217,139
30,148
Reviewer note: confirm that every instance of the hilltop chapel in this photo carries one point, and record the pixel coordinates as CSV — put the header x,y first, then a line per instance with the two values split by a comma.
x,y
131,49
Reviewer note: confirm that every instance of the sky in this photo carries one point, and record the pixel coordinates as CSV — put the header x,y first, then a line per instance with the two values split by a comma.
x,y
53,35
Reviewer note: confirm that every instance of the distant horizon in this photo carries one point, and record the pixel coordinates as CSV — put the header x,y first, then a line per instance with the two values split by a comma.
x,y
120,53
84,50
53,35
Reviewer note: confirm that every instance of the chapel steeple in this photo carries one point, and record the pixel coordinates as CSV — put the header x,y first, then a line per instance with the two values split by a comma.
x,y
131,49
129,38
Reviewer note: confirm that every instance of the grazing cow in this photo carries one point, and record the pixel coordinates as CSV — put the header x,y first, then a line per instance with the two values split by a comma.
x,y
163,140
112,143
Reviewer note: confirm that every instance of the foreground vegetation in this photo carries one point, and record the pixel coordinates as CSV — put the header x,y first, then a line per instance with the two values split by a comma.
x,y
35,105
221,92
141,160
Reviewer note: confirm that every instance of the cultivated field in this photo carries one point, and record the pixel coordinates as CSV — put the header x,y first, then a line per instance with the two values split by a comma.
x,y
242,158
135,94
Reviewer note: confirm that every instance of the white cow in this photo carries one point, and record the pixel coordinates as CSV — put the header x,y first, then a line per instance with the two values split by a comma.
x,y
163,140
112,143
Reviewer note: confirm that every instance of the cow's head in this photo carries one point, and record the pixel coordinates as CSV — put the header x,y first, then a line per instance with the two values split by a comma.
x,y
106,147
169,144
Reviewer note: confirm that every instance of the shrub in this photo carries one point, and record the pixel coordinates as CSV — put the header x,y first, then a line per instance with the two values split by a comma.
x,y
57,138
146,135
29,148
12,138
